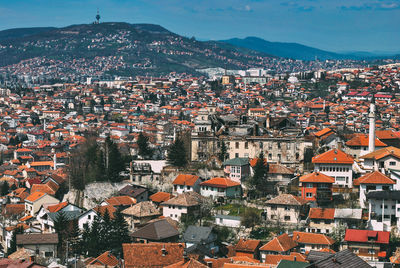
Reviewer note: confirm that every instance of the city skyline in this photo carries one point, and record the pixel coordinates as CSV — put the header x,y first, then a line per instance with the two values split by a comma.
x,y
330,25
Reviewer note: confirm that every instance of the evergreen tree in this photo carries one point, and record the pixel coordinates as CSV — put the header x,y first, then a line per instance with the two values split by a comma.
x,y
143,143
223,152
93,239
75,240
61,227
13,242
177,154
85,241
5,188
105,229
258,183
114,162
119,233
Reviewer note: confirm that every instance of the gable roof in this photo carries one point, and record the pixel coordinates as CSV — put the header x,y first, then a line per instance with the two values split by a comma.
x,y
355,235
196,234
321,213
238,161
375,177
383,152
187,199
157,230
34,238
191,263
185,179
105,259
35,196
334,156
280,243
160,197
275,259
142,209
341,259
247,245
152,254
363,140
317,177
123,200
287,199
312,238
220,183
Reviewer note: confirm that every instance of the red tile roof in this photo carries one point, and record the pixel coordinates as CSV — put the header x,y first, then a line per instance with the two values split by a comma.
x,y
281,243
321,213
381,153
105,259
312,238
123,200
363,140
220,183
160,197
247,245
334,156
35,196
355,235
185,179
317,177
275,259
152,254
375,177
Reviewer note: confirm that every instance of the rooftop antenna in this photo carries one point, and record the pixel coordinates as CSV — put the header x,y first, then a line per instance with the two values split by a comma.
x,y
98,17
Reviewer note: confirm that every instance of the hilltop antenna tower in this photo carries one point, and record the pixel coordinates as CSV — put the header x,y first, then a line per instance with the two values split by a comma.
x,y
97,17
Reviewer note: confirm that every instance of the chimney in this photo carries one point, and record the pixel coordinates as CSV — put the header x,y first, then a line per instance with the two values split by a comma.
x,y
163,251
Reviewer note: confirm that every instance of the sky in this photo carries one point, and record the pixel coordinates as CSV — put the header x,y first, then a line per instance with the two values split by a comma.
x,y
334,25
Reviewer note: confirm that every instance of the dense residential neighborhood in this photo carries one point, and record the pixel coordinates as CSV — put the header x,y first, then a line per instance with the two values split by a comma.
x,y
286,171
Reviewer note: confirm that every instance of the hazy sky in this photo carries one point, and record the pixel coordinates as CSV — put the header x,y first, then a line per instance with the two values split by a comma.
x,y
336,25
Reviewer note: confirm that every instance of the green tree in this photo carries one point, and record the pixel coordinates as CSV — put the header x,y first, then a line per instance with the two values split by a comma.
x,y
223,152
119,233
5,188
114,161
61,227
94,239
258,182
250,218
144,149
75,239
13,242
177,154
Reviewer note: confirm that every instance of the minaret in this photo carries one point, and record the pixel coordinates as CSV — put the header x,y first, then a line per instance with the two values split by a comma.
x,y
371,116
98,17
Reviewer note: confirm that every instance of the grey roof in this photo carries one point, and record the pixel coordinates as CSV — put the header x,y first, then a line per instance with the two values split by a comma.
x,y
69,215
157,230
344,258
292,264
388,195
228,217
314,255
348,213
238,161
197,234
36,239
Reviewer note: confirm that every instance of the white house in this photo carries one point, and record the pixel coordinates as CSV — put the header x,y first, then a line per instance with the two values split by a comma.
x,y
185,183
183,204
220,187
374,181
384,209
337,164
86,218
382,159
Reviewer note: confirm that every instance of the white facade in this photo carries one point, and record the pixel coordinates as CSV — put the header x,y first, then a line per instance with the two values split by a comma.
x,y
227,221
343,173
365,188
174,211
215,192
86,218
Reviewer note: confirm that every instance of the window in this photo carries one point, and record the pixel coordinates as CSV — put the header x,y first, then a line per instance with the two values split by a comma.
x,y
309,185
308,195
287,208
89,216
273,207
269,156
48,254
371,251
355,250
236,155
392,163
246,145
287,218
237,145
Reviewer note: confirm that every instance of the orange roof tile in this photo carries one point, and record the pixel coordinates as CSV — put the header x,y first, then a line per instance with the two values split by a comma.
x,y
185,179
312,238
334,156
281,243
105,259
220,183
375,177
381,153
363,140
275,259
321,213
35,196
160,197
317,177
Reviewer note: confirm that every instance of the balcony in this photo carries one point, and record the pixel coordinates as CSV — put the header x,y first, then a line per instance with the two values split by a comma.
x,y
323,195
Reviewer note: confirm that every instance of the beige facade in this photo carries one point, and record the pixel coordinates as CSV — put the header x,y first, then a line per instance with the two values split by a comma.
x,y
286,214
